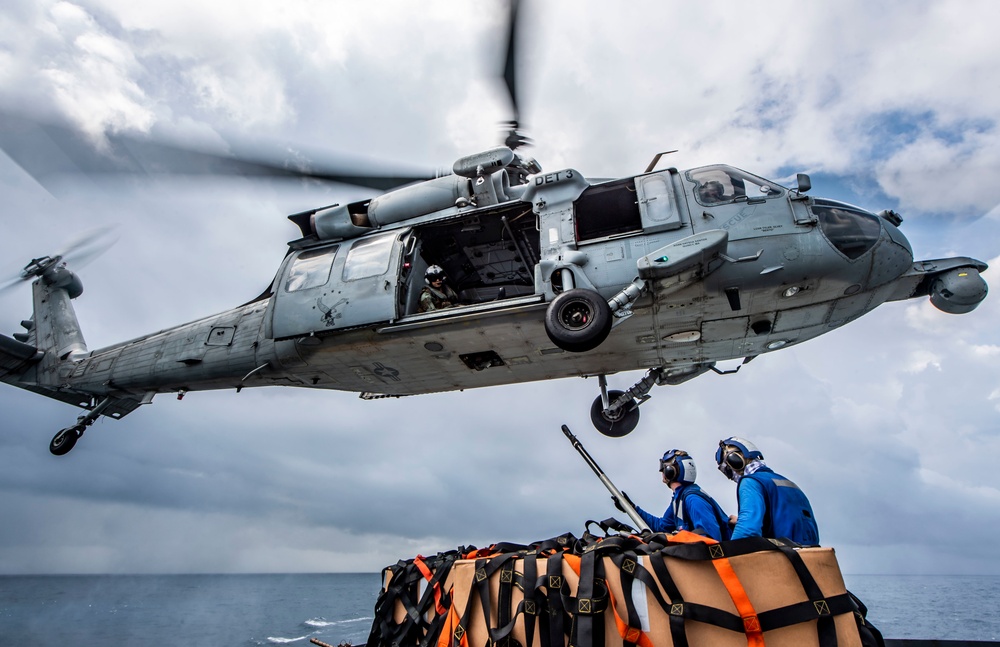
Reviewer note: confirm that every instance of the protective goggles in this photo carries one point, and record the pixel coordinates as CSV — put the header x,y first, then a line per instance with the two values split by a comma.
x,y
669,460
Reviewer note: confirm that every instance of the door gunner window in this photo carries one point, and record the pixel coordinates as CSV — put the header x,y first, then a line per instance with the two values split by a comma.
x,y
311,269
368,257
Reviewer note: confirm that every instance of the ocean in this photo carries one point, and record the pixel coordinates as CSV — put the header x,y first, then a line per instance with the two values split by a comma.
x,y
251,610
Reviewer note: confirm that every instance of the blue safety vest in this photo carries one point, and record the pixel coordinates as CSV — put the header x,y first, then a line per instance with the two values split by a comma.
x,y
719,522
788,512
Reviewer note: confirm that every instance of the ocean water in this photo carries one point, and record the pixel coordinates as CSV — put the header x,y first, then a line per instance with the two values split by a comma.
x,y
186,610
955,607
251,610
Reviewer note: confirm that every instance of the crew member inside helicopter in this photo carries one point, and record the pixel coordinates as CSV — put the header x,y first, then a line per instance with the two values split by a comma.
x,y
711,192
437,294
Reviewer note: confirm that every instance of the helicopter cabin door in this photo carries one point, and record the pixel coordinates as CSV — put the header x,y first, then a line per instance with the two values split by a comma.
x,y
350,283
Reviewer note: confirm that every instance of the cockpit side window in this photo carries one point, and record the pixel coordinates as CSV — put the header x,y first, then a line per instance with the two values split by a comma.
x,y
852,231
721,184
310,269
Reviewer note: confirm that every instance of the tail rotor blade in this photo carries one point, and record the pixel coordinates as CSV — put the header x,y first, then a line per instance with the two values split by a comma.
x,y
89,246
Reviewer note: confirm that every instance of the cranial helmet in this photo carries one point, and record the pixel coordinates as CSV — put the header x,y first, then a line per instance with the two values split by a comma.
x,y
677,465
433,272
734,454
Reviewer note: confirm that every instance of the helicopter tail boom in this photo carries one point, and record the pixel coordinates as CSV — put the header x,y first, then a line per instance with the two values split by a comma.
x,y
46,357
42,358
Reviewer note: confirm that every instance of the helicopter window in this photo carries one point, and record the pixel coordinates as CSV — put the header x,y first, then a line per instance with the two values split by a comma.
x,y
719,184
369,257
607,210
851,230
311,269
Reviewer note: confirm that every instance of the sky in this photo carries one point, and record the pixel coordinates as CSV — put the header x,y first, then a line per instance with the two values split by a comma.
x,y
888,424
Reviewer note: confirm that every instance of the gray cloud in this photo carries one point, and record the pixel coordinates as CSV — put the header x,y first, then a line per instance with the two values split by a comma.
x,y
888,424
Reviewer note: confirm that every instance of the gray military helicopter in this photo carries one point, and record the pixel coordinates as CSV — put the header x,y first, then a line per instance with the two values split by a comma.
x,y
669,270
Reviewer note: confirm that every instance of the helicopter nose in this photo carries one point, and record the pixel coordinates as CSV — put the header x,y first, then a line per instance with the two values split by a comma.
x,y
892,233
893,255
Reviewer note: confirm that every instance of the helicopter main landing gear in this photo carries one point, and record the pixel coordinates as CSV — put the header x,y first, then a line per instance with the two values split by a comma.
x,y
616,413
66,439
578,320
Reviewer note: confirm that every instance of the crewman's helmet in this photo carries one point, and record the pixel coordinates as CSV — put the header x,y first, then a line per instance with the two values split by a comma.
x,y
433,273
734,454
677,465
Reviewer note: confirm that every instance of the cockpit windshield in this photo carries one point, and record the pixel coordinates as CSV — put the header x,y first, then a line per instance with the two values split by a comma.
x,y
719,184
852,230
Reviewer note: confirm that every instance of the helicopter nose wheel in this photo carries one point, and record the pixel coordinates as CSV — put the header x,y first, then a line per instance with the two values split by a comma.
x,y
614,425
578,320
65,440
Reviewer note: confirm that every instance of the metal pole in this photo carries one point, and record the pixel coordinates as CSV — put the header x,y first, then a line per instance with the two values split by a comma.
x,y
615,492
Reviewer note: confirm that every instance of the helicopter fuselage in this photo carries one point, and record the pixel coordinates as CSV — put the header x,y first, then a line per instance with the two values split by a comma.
x,y
695,267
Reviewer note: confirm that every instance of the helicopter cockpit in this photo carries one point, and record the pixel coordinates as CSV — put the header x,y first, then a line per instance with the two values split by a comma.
x,y
852,230
719,184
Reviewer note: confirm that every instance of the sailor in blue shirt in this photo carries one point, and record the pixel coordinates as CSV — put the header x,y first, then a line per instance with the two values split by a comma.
x,y
770,505
691,508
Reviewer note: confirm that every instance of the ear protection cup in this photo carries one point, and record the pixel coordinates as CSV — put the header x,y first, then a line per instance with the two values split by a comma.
x,y
677,465
735,460
734,454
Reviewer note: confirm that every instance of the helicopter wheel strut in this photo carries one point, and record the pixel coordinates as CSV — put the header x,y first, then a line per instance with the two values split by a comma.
x,y
616,413
578,320
618,424
65,440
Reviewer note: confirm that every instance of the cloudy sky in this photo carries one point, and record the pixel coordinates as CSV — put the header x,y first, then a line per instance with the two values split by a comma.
x,y
890,424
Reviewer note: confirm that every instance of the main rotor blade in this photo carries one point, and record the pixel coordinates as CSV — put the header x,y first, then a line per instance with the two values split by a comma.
x,y
514,138
510,61
47,151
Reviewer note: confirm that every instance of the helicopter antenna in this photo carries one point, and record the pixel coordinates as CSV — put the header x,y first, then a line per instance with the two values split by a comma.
x,y
656,159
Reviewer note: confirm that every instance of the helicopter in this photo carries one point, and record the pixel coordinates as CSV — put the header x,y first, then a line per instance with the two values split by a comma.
x,y
670,271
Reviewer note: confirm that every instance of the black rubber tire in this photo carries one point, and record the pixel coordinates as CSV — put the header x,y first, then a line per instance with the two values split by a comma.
x,y
623,425
64,441
578,320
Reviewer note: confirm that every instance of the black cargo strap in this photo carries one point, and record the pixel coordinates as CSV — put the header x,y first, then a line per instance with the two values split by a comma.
x,y
530,604
403,588
590,603
678,609
793,614
630,569
554,620
825,626
486,568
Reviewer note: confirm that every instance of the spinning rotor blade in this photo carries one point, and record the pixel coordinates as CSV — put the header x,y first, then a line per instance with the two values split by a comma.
x,y
47,150
510,61
514,138
77,254
88,247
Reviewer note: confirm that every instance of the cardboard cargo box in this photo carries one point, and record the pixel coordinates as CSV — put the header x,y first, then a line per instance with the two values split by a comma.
x,y
687,590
